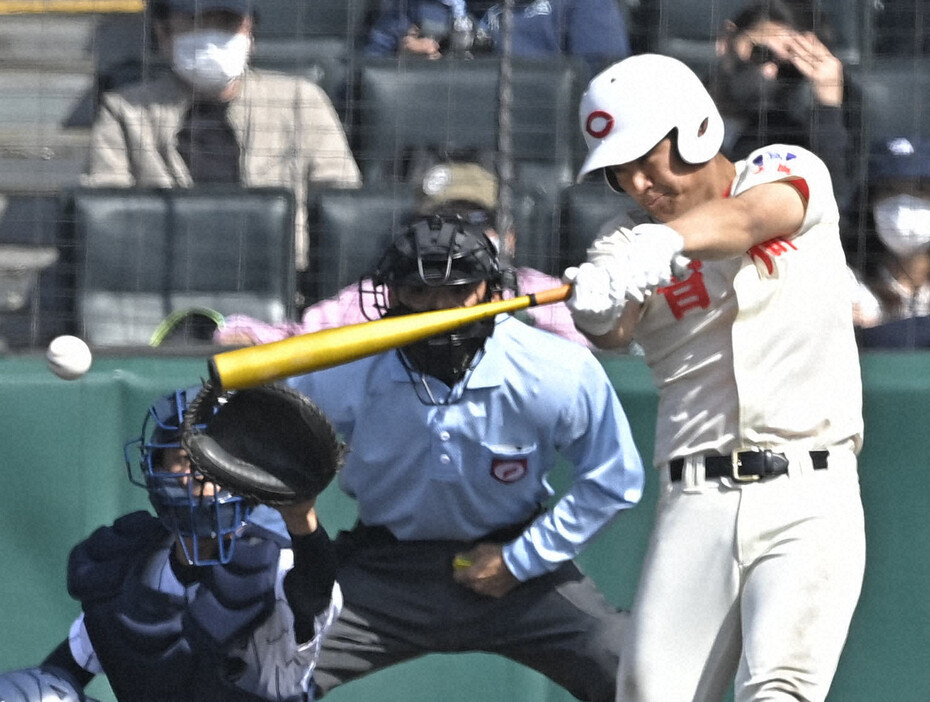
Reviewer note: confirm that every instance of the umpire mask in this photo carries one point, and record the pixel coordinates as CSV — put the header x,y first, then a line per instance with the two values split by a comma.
x,y
438,252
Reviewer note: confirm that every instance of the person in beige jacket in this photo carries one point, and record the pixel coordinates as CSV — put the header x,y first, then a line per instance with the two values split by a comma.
x,y
212,119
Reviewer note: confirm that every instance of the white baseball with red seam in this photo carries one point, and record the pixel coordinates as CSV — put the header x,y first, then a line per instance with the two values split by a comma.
x,y
68,357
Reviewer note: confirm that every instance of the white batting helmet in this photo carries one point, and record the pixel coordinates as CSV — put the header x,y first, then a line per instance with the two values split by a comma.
x,y
630,107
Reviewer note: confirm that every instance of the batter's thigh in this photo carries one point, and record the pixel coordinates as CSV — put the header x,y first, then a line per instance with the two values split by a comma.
x,y
802,587
683,642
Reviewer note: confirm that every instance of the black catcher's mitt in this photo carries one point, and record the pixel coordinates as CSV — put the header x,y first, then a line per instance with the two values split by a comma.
x,y
268,443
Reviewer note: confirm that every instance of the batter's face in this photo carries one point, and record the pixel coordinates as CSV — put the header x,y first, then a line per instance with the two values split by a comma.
x,y
662,184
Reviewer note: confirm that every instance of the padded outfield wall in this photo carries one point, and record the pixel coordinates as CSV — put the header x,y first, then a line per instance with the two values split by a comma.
x,y
63,474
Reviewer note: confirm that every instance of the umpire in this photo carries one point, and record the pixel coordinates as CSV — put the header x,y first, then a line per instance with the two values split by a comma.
x,y
452,440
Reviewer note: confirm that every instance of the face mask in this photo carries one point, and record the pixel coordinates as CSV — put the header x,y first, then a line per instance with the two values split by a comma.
x,y
903,223
210,60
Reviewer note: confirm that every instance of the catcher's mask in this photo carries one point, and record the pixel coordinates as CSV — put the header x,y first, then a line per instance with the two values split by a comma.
x,y
433,252
190,506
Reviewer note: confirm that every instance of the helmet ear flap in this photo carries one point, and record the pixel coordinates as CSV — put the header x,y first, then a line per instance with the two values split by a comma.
x,y
612,181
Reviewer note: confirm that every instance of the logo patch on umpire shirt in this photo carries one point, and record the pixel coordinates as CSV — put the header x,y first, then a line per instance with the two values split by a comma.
x,y
508,470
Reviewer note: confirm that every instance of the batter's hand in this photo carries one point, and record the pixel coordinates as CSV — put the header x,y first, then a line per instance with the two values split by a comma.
x,y
653,258
483,570
594,302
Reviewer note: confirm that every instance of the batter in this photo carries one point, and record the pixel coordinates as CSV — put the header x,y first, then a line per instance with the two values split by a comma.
x,y
736,294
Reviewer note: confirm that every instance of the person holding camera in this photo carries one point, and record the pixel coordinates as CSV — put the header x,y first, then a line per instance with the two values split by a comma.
x,y
592,29
777,80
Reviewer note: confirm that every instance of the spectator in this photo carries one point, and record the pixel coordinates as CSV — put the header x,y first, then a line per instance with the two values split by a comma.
x,y
894,303
457,547
464,189
212,119
776,81
593,29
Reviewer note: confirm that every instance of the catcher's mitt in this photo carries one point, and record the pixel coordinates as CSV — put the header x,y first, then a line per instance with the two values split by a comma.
x,y
268,443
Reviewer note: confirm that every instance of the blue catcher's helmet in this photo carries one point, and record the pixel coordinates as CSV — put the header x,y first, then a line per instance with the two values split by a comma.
x,y
188,505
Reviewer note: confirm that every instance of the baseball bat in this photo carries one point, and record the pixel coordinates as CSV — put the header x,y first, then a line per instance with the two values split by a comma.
x,y
265,363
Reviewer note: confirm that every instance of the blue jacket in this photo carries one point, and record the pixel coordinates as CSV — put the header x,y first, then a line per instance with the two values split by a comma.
x,y
592,29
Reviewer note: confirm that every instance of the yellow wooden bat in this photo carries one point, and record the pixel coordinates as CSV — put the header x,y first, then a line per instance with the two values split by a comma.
x,y
265,363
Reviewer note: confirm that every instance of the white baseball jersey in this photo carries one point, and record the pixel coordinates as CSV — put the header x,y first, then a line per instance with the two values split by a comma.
x,y
747,583
759,350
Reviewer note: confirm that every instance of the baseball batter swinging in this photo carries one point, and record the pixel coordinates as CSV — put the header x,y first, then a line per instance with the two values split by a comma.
x,y
737,294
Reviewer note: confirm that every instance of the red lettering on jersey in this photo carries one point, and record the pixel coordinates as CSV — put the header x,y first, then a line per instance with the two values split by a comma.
x,y
687,294
782,168
769,250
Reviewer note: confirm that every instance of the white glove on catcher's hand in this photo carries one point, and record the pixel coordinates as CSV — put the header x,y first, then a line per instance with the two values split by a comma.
x,y
653,258
594,304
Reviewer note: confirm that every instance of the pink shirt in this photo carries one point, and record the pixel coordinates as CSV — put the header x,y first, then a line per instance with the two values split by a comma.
x,y
344,309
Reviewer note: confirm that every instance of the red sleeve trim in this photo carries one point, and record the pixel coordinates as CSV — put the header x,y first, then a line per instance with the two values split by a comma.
x,y
800,184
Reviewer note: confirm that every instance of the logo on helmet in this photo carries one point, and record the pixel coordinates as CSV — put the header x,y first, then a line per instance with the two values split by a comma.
x,y
599,124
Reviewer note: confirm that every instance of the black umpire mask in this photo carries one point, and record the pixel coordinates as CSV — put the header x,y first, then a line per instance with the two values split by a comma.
x,y
447,357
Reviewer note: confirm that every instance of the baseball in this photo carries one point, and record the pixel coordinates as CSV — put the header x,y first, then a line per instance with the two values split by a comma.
x,y
68,357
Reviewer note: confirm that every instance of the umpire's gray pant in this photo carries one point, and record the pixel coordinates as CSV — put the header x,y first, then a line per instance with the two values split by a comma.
x,y
401,602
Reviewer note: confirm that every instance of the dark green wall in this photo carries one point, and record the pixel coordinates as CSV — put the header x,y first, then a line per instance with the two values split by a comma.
x,y
63,474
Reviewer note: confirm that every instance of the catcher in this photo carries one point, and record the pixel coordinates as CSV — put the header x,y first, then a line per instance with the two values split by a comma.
x,y
213,599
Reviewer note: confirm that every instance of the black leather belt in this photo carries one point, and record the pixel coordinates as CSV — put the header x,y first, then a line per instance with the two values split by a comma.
x,y
746,466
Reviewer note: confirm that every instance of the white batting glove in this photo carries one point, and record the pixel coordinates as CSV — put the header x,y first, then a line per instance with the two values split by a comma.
x,y
653,258
594,305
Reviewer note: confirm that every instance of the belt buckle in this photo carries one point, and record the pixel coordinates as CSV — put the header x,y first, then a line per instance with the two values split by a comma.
x,y
735,464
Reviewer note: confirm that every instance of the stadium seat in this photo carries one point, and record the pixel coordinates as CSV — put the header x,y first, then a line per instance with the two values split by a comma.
x,y
895,98
449,109
318,40
287,19
348,231
589,209
451,106
143,254
537,238
444,106
34,306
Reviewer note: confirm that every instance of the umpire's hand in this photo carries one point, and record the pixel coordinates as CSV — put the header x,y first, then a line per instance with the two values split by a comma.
x,y
483,570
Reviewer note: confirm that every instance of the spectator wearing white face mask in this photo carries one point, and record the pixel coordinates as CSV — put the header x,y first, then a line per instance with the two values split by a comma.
x,y
213,119
893,308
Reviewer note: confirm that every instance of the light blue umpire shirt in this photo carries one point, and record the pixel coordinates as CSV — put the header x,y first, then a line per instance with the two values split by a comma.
x,y
461,470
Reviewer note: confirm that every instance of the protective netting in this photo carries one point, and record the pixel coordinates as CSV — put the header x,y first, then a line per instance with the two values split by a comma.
x,y
276,222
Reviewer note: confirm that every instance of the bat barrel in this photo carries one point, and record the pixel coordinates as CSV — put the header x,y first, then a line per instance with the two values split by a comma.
x,y
265,363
